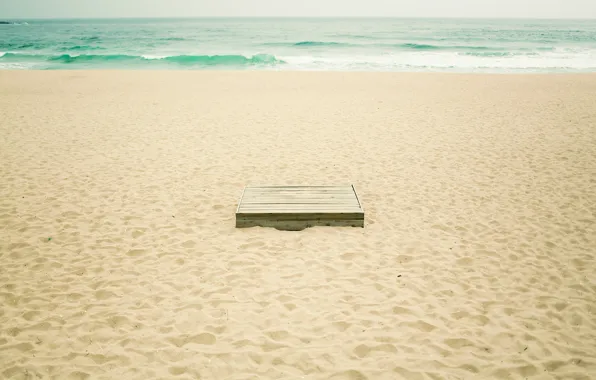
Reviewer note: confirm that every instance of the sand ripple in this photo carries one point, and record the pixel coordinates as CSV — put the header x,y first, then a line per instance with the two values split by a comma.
x,y
119,258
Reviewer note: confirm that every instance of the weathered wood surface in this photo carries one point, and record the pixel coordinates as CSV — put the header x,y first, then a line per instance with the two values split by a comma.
x,y
299,207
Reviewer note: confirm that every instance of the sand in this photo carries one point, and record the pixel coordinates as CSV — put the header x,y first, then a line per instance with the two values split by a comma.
x,y
119,258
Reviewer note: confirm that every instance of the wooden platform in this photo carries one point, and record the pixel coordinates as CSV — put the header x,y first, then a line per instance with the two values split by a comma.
x,y
298,207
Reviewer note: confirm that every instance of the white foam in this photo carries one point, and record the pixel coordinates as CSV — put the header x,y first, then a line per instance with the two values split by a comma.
x,y
16,66
558,60
151,56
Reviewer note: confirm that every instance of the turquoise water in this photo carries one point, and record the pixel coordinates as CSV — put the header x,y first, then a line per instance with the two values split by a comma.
x,y
302,44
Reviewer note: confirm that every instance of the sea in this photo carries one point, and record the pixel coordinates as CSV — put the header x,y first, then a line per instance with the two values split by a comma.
x,y
350,44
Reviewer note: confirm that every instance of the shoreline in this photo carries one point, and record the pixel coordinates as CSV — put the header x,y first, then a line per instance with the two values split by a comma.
x,y
300,71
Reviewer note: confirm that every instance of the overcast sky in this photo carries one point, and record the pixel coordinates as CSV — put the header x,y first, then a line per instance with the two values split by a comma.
x,y
297,8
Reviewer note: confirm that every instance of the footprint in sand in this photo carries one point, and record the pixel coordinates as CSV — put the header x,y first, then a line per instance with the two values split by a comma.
x,y
136,252
204,338
30,315
348,375
138,232
177,371
189,244
77,375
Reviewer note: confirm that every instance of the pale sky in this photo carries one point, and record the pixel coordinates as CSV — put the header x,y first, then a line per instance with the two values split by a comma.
x,y
297,8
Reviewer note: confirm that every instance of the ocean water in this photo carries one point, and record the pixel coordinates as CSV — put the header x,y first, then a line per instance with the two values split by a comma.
x,y
462,45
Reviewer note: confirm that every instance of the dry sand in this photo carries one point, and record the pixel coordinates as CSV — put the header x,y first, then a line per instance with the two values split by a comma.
x,y
119,258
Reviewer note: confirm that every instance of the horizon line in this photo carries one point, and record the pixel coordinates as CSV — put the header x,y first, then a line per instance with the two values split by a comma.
x,y
296,17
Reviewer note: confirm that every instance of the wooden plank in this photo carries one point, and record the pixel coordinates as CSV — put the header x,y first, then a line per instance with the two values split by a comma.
x,y
314,189
300,193
298,207
328,199
321,190
298,187
294,198
303,217
312,202
339,211
300,199
299,217
298,225
351,198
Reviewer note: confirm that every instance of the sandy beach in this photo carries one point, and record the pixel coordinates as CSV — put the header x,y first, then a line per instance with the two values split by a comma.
x,y
119,258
